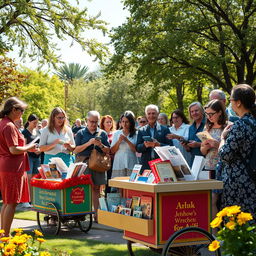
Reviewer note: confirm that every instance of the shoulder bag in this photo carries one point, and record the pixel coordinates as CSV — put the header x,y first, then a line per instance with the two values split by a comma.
x,y
99,161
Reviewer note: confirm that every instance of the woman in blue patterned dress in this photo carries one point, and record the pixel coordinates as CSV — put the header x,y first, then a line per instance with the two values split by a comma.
x,y
237,143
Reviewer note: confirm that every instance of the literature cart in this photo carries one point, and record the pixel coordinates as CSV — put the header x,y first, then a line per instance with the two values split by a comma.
x,y
181,208
67,201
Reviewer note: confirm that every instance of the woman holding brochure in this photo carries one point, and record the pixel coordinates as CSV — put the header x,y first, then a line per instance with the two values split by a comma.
x,y
215,123
57,139
13,162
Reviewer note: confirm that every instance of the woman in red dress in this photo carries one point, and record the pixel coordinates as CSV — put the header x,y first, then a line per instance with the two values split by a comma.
x,y
13,162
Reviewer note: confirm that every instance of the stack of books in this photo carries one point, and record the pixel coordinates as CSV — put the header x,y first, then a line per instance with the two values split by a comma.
x,y
137,206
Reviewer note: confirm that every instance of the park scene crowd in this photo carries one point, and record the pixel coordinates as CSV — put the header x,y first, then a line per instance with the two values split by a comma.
x,y
227,154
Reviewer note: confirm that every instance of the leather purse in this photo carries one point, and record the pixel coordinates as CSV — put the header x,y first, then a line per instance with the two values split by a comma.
x,y
99,162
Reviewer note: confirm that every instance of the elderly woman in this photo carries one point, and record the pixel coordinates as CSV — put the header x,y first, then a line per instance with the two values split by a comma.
x,y
196,113
13,162
237,143
179,132
163,119
57,139
85,142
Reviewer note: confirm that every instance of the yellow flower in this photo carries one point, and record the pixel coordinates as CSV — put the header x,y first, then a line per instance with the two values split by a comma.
x,y
5,239
223,212
243,217
22,248
40,240
38,233
231,225
216,222
9,249
232,210
214,246
1,231
28,254
19,231
1,245
45,254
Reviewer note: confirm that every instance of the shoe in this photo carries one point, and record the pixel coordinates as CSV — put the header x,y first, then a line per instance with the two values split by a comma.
x,y
26,205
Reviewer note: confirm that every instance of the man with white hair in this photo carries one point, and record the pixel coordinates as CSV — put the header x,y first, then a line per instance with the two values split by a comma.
x,y
78,126
151,135
218,94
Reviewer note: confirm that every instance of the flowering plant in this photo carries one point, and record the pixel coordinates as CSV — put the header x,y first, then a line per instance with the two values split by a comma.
x,y
22,244
237,237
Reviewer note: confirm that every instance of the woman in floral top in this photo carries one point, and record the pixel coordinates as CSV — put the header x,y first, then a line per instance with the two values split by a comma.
x,y
237,143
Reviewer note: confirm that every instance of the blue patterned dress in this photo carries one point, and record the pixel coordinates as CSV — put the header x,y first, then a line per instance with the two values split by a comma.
x,y
238,188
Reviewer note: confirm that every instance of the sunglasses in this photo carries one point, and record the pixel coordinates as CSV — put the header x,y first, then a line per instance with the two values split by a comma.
x,y
143,122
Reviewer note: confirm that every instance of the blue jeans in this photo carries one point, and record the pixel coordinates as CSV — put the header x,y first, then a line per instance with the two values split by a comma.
x,y
34,163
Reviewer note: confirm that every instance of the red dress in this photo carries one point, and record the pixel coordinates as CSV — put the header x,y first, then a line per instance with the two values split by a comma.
x,y
13,176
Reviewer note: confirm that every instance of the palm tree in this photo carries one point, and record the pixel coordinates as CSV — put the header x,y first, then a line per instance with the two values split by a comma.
x,y
70,72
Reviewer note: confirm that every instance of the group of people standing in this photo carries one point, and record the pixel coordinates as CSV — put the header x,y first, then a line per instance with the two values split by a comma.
x,y
226,154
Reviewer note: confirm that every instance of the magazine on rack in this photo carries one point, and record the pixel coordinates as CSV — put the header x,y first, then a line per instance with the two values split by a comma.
x,y
178,162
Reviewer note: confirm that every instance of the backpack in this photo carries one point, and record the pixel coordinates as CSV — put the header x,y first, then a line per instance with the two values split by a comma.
x,y
251,166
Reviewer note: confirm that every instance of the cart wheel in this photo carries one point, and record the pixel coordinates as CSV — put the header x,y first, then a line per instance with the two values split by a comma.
x,y
190,250
49,224
85,223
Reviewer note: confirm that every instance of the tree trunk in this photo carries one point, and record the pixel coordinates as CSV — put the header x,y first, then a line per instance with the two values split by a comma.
x,y
180,95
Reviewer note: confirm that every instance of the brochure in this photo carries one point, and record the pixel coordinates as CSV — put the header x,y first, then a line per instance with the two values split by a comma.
x,y
204,135
135,172
197,166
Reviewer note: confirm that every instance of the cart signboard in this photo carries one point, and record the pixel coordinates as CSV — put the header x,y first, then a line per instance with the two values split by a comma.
x,y
72,200
181,210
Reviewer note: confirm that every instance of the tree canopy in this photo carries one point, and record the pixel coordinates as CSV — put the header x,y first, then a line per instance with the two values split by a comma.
x,y
174,40
10,78
34,25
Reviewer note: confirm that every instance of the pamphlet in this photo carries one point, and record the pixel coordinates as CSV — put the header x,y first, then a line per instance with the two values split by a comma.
x,y
197,166
204,135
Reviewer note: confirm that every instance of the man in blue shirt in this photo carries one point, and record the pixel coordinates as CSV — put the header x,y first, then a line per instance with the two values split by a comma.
x,y
156,134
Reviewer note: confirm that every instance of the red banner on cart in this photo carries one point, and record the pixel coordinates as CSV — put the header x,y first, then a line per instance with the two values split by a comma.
x,y
183,209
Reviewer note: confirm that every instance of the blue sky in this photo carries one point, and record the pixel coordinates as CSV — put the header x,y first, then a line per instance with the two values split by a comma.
x,y
111,11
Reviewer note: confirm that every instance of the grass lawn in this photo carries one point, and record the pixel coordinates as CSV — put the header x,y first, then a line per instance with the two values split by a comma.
x,y
79,247
25,215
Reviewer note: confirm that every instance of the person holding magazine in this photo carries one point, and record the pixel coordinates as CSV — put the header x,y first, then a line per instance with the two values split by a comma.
x,y
13,162
123,146
216,121
151,135
57,139
86,139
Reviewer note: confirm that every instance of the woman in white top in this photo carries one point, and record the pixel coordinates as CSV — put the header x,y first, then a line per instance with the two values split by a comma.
x,y
123,146
179,132
57,139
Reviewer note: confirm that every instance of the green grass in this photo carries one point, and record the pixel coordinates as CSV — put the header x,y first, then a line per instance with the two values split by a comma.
x,y
82,247
25,215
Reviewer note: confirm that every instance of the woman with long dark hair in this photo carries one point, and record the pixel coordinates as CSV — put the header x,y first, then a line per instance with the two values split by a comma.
x,y
13,162
30,134
57,139
124,146
237,143
216,121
